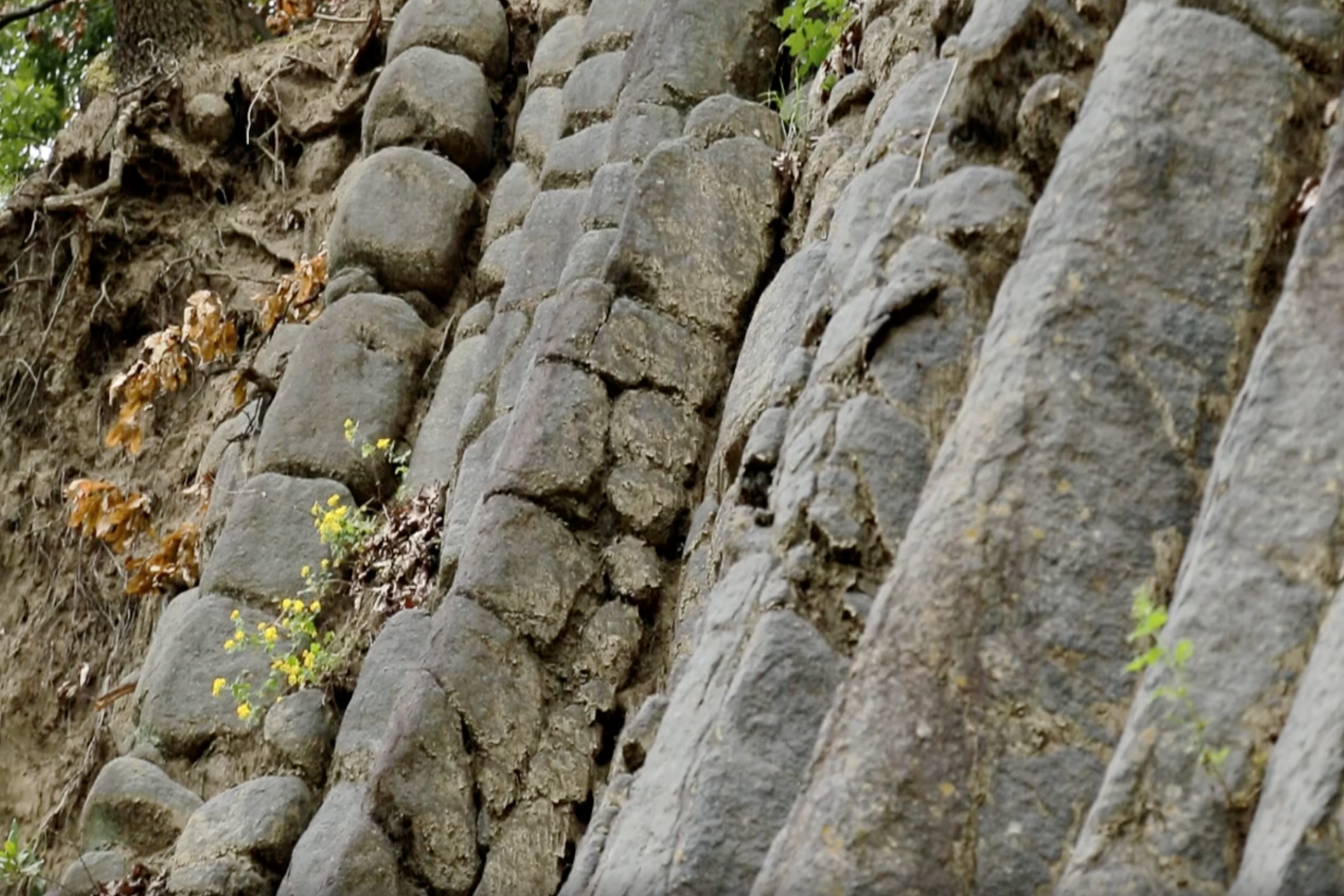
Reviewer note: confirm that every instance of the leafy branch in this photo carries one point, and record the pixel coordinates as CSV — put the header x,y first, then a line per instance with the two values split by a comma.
x,y
8,18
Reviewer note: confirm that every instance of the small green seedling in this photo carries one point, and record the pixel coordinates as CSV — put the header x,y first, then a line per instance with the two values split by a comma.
x,y
1149,620
20,866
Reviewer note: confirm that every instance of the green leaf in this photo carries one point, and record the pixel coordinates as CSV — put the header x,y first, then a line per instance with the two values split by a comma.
x,y
1185,649
1151,624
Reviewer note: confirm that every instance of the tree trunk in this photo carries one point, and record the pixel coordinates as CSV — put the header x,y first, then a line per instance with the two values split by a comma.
x,y
150,32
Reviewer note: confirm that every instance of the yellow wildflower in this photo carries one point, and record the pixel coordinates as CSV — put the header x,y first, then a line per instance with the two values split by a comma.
x,y
270,635
217,687
228,645
325,563
315,607
234,615
317,508
306,571
384,444
244,710
261,626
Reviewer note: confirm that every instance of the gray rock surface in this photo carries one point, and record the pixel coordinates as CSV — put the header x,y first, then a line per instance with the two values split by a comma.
x,y
301,730
557,53
729,754
89,871
588,258
406,215
639,346
725,116
591,91
526,855
343,852
493,268
510,201
608,195
420,788
475,29
495,682
557,442
540,124
572,160
377,348
438,446
259,821
1271,509
478,462
522,563
611,25
269,537
639,127
549,232
1085,359
633,569
687,51
696,236
431,100
134,804
398,651
777,326
176,710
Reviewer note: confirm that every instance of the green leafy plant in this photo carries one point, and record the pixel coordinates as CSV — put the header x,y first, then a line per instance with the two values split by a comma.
x,y
307,660
1149,620
20,866
811,29
400,460
42,61
303,657
343,528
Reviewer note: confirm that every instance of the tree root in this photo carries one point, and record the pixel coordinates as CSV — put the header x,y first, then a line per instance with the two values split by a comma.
x,y
111,186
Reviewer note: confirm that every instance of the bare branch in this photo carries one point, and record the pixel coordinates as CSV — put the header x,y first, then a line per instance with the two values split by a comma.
x,y
18,15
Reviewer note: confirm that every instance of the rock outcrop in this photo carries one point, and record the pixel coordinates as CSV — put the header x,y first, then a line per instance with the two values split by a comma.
x,y
795,487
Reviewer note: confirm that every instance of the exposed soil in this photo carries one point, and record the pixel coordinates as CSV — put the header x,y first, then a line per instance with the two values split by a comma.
x,y
79,290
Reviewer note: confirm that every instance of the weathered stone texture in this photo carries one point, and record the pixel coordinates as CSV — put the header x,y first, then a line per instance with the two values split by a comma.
x,y
376,348
549,231
269,537
1080,436
475,29
177,712
1264,547
696,236
431,100
406,215
728,753
522,563
134,804
509,202
557,442
495,682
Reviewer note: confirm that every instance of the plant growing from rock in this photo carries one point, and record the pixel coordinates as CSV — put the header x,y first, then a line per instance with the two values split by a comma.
x,y
1149,620
811,29
308,657
400,460
311,658
20,866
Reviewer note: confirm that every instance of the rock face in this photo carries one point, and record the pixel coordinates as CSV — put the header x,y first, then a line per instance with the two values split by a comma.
x,y
792,481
